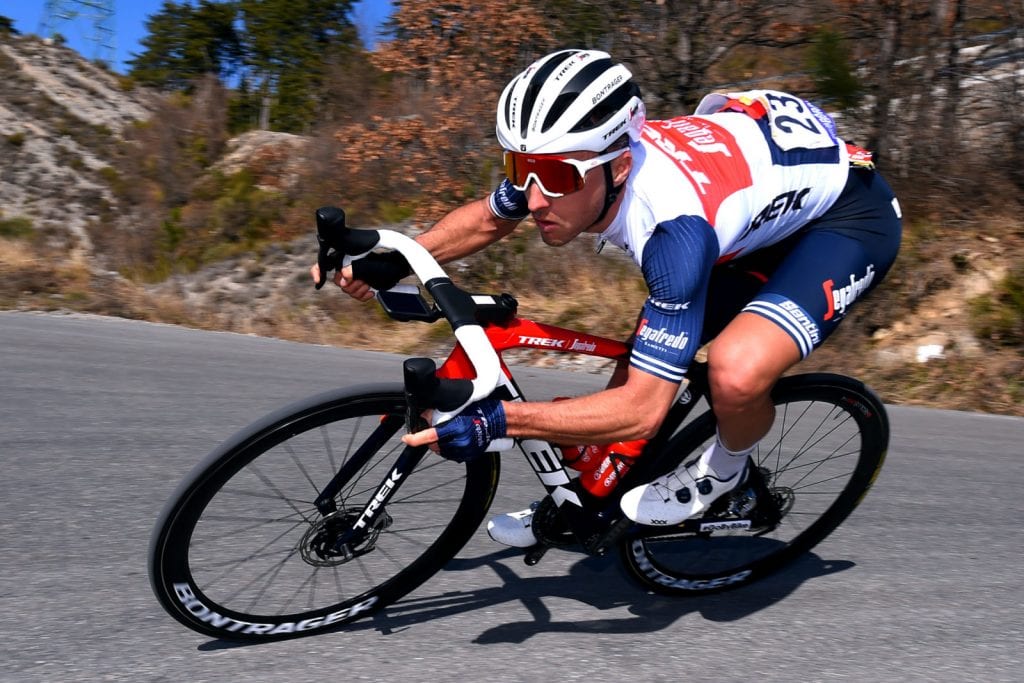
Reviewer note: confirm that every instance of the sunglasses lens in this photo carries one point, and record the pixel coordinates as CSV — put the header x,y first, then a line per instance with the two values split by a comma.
x,y
553,174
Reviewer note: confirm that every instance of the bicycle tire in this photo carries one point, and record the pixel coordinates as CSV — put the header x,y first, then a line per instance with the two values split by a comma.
x,y
809,450
229,555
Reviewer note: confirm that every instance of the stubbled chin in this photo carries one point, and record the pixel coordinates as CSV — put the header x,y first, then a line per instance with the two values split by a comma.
x,y
552,240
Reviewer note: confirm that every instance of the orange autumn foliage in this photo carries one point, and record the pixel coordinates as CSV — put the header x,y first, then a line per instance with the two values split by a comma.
x,y
436,146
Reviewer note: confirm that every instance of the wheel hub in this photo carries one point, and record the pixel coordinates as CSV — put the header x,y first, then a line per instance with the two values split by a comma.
x,y
325,544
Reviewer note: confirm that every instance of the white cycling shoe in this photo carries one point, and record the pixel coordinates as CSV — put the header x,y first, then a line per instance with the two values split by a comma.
x,y
679,495
513,529
666,501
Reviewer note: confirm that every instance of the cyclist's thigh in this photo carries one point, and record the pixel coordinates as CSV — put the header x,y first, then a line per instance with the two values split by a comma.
x,y
731,287
834,262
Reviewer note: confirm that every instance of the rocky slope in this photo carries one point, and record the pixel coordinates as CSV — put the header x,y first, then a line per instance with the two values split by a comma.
x,y
59,117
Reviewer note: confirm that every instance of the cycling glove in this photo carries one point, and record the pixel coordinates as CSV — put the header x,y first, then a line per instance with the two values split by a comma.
x,y
381,271
465,436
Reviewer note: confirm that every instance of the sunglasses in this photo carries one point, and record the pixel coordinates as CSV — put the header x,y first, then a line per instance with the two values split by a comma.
x,y
554,174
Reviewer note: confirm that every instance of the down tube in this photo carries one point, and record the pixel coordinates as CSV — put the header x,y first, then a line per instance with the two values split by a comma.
x,y
541,455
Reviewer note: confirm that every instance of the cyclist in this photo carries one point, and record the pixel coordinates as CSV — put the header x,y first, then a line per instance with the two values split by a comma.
x,y
753,204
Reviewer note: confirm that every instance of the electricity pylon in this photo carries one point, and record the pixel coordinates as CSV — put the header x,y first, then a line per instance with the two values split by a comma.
x,y
98,14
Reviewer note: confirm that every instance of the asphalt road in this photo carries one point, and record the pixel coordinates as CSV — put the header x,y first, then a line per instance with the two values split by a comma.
x,y
99,419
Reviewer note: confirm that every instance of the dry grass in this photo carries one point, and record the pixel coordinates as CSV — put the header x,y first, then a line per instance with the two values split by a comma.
x,y
926,294
16,254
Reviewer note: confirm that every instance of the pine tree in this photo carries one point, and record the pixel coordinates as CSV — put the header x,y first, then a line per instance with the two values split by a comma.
x,y
185,42
288,44
7,27
278,49
830,66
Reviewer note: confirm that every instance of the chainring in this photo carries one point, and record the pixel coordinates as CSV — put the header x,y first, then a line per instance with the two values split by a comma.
x,y
549,527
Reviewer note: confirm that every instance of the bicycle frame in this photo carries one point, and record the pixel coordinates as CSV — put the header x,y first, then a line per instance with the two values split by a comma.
x,y
476,359
542,456
594,526
237,551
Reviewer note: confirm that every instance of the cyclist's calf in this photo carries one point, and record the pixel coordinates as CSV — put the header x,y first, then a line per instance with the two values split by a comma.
x,y
744,362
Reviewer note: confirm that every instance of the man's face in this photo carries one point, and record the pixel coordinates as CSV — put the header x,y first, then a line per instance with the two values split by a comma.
x,y
561,219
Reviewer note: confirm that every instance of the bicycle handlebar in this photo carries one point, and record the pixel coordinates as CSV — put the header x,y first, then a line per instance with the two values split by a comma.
x,y
457,306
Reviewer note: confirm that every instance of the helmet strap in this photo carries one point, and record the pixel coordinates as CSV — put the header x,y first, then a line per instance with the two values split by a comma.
x,y
610,195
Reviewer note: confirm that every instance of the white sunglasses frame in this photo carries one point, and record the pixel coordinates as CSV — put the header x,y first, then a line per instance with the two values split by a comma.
x,y
582,167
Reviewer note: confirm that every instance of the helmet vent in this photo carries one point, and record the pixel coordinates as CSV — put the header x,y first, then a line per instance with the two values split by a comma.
x,y
536,83
608,107
573,88
570,100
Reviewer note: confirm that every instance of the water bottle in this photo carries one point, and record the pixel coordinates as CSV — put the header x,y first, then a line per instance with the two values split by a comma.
x,y
618,458
583,458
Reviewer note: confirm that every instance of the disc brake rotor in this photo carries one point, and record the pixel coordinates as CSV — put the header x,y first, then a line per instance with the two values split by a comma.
x,y
319,545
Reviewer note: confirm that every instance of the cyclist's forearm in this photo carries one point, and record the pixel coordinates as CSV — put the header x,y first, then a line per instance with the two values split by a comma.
x,y
634,410
464,231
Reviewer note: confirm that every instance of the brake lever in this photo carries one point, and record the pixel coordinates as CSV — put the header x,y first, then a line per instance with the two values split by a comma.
x,y
328,259
339,243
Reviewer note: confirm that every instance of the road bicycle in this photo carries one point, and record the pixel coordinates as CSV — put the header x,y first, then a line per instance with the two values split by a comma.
x,y
318,514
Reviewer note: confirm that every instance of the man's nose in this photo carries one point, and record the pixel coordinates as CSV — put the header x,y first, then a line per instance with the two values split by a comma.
x,y
535,199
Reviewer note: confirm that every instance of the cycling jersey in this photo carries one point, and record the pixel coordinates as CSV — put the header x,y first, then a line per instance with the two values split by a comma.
x,y
734,172
747,171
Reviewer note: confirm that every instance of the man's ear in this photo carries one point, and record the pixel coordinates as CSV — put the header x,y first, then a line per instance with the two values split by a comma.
x,y
621,166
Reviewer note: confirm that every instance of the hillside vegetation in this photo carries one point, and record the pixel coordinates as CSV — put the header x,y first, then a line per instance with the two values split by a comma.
x,y
183,193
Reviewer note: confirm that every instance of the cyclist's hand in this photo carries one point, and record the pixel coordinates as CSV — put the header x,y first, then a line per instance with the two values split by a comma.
x,y
379,271
466,435
357,289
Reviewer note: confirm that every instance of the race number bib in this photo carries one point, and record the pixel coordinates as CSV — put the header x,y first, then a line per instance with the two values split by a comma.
x,y
796,123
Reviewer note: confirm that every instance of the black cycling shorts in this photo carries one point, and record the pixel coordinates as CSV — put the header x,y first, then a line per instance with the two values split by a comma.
x,y
807,283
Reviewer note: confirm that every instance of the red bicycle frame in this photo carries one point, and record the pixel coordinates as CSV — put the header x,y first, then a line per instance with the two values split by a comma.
x,y
542,456
522,333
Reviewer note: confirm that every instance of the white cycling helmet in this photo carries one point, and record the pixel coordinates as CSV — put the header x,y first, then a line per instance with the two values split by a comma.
x,y
569,101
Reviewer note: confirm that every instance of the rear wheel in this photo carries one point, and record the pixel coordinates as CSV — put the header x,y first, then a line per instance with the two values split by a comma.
x,y
822,455
239,551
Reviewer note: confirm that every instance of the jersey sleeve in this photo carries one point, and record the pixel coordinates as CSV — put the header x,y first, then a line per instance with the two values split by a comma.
x,y
677,262
508,203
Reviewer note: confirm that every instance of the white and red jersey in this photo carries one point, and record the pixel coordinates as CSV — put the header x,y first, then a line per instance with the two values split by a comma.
x,y
745,172
756,176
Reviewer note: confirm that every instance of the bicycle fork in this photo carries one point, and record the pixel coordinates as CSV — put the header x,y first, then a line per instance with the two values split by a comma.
x,y
423,389
354,528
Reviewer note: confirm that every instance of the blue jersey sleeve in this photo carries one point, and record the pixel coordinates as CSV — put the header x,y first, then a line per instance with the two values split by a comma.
x,y
509,203
677,262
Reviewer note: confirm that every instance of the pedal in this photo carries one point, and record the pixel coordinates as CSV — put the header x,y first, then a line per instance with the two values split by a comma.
x,y
600,543
549,527
534,554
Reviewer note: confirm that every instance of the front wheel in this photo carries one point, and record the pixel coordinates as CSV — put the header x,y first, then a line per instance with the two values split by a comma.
x,y
818,461
238,551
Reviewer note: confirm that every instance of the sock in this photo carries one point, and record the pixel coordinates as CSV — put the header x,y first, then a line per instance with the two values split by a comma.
x,y
723,463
